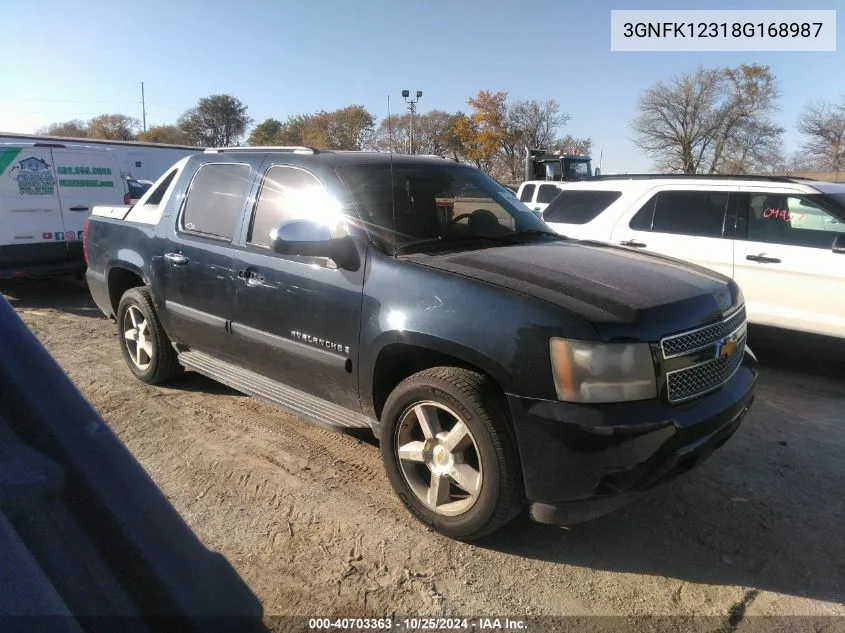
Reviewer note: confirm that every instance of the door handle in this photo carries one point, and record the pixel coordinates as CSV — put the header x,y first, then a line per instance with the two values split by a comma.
x,y
762,259
175,258
79,208
251,277
633,243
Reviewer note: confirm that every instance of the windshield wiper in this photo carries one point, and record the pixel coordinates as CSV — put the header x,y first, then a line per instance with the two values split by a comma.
x,y
407,245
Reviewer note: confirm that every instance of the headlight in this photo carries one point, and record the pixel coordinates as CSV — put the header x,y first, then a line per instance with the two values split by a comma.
x,y
602,372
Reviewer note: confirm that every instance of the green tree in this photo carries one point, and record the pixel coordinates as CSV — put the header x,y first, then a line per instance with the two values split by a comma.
x,y
349,128
216,121
265,132
275,132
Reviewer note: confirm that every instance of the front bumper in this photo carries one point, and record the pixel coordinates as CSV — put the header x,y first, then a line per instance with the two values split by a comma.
x,y
582,461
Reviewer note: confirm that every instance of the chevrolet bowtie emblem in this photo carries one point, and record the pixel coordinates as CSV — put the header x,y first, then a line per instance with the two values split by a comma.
x,y
726,347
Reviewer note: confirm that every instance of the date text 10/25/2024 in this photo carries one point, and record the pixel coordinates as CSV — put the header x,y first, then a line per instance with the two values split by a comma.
x,y
418,624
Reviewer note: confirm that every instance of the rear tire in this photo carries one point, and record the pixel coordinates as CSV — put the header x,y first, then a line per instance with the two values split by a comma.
x,y
450,453
146,348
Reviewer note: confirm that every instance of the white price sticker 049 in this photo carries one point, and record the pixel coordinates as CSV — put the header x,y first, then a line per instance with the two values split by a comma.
x,y
723,30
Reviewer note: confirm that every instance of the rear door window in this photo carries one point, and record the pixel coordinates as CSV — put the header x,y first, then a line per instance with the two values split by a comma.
x,y
695,213
579,206
215,200
547,193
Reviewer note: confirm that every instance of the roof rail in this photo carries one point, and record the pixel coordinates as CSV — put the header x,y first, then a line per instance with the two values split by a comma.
x,y
296,149
700,177
49,145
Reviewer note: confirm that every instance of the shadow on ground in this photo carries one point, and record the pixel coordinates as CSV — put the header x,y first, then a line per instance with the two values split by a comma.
x,y
766,511
61,293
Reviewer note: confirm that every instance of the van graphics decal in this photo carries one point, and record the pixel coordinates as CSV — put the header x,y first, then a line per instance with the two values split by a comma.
x,y
84,171
34,176
7,156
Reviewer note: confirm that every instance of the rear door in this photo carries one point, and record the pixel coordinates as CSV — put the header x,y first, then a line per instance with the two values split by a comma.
x,y
686,223
785,263
85,178
31,229
196,258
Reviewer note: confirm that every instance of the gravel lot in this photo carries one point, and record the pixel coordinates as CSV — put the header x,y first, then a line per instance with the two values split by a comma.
x,y
308,519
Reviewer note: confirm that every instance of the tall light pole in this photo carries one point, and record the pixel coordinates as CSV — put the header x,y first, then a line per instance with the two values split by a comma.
x,y
143,107
412,107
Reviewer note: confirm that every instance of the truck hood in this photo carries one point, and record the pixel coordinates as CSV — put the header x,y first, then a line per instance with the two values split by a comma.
x,y
627,294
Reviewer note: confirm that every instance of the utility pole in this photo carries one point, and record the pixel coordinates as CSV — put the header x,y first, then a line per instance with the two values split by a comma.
x,y
412,107
143,108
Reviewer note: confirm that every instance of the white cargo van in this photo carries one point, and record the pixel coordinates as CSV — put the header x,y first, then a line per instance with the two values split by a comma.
x,y
47,190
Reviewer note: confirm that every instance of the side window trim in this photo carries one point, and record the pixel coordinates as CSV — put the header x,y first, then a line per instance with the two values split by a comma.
x,y
180,230
650,201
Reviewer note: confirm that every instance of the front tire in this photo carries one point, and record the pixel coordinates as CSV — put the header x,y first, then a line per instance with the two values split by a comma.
x,y
449,450
144,343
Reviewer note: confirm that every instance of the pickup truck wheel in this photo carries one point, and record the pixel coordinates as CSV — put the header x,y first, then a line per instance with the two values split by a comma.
x,y
144,344
450,454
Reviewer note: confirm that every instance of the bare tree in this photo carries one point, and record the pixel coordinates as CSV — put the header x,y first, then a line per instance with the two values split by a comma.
x,y
72,129
115,127
695,120
169,134
823,126
754,147
750,92
432,133
532,124
575,145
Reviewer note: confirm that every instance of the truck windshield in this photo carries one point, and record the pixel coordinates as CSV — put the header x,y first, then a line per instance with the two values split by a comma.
x,y
577,168
436,206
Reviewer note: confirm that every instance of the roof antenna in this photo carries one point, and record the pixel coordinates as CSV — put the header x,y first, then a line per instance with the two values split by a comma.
x,y
390,190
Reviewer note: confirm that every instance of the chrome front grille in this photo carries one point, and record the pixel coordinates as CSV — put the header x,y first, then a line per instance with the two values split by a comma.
x,y
684,384
680,344
706,357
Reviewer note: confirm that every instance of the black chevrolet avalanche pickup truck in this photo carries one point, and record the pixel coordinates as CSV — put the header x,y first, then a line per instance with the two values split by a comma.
x,y
500,364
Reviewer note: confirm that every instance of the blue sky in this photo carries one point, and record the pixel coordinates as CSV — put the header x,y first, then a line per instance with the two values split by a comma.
x,y
70,60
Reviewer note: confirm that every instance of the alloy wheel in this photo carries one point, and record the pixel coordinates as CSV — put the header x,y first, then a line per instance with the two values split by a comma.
x,y
136,335
439,458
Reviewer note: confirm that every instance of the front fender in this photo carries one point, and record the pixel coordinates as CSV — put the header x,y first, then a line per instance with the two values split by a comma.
x,y
435,344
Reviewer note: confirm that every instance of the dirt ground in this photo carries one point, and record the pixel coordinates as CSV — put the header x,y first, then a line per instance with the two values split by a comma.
x,y
309,521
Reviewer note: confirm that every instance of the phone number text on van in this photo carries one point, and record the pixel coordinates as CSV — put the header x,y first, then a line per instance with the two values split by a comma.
x,y
92,171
